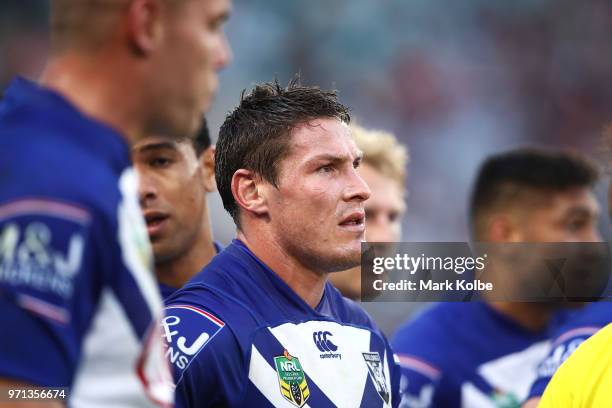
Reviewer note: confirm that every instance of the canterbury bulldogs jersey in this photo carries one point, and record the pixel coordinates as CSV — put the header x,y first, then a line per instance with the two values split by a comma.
x,y
467,355
567,338
167,290
238,336
79,303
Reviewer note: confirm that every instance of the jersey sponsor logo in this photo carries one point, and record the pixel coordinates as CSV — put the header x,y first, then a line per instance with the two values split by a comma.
x,y
186,330
377,374
291,378
323,342
30,254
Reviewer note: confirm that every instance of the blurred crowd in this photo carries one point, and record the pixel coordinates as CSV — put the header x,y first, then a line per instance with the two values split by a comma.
x,y
456,81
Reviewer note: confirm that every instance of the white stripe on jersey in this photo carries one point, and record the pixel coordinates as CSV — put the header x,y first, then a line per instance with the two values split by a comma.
x,y
514,373
107,376
472,397
134,242
334,378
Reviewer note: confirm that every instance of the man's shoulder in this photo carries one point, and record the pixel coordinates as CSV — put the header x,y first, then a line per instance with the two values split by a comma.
x,y
596,314
432,336
48,149
347,310
434,321
583,324
215,307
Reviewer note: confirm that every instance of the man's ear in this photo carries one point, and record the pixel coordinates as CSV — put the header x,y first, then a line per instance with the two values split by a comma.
x,y
144,25
207,164
247,191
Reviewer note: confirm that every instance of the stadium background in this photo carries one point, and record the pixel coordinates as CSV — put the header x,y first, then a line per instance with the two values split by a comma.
x,y
455,81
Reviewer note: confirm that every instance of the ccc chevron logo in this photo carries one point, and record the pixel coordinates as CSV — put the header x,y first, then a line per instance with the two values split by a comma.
x,y
322,341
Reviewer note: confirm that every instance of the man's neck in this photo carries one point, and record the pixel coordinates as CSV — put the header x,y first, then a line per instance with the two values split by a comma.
x,y
178,271
531,316
307,284
97,91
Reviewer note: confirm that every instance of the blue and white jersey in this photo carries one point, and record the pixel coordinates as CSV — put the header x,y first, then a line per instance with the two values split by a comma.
x,y
78,301
238,336
567,338
466,355
167,291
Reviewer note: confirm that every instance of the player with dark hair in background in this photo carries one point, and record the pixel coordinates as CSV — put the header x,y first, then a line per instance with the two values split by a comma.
x,y
566,340
174,178
76,288
486,353
260,326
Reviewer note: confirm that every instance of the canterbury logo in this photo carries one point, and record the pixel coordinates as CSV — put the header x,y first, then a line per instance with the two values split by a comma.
x,y
322,342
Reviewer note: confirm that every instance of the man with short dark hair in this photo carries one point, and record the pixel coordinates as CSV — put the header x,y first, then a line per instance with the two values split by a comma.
x,y
486,353
174,178
75,280
581,387
260,326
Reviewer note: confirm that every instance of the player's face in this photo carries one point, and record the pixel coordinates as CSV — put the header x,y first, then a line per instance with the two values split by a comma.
x,y
385,207
317,211
195,50
173,186
384,211
563,217
570,216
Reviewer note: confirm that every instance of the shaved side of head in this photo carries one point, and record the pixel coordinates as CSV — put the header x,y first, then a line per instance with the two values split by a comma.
x,y
83,24
86,25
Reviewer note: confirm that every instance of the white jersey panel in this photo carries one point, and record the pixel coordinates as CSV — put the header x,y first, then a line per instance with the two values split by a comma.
x,y
107,375
514,373
336,364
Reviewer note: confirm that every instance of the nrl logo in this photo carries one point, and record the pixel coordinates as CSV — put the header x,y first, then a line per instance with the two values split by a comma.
x,y
375,368
292,379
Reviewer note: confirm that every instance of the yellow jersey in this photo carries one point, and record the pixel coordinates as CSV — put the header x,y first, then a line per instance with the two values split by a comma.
x,y
585,379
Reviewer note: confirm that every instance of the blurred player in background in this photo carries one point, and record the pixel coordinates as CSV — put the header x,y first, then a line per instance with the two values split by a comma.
x,y
76,289
174,178
486,354
383,168
261,326
585,323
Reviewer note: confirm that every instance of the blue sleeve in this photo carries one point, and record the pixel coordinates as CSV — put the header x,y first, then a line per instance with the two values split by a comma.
x,y
423,383
563,346
208,365
43,247
419,384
